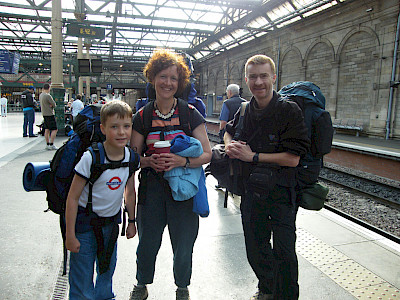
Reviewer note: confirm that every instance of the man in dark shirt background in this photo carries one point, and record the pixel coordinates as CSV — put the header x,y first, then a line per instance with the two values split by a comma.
x,y
229,107
28,105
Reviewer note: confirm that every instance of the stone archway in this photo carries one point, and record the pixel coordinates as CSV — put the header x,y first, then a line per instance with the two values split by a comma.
x,y
291,68
357,69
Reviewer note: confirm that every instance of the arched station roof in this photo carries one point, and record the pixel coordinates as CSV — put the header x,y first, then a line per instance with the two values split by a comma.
x,y
134,28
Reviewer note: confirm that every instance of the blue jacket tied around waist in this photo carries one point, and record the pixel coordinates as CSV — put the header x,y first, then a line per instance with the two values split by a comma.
x,y
186,183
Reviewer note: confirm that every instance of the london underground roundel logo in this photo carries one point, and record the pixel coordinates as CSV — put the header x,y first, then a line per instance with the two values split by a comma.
x,y
114,183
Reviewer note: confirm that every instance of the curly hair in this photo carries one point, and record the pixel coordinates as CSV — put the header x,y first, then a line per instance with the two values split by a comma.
x,y
163,59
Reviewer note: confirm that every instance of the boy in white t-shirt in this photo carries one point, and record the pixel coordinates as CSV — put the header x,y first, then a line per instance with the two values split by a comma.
x,y
103,214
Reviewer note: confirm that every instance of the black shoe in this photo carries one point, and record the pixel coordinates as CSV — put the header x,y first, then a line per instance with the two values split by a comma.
x,y
35,135
218,187
25,136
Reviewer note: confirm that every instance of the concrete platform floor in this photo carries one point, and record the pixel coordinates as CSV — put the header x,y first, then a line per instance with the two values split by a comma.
x,y
337,259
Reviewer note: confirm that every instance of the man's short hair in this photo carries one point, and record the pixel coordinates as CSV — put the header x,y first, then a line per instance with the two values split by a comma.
x,y
121,108
79,96
234,88
260,59
46,86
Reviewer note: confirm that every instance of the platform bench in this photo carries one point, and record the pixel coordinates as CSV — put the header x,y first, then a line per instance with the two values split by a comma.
x,y
347,125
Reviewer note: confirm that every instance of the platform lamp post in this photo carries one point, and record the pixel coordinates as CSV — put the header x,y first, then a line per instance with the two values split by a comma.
x,y
57,85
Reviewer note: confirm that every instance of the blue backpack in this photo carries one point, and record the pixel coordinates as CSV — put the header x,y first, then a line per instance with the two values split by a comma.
x,y
86,132
311,101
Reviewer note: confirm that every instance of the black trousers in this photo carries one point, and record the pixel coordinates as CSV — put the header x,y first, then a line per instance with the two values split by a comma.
x,y
263,217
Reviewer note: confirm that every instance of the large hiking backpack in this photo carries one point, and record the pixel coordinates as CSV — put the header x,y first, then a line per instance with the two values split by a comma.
x,y
189,94
311,101
86,132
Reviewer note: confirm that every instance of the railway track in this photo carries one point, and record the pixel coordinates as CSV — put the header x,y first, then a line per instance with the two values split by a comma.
x,y
380,191
368,202
363,223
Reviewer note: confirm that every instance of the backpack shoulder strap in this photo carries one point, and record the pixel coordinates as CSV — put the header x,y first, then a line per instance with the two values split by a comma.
x,y
147,118
184,114
239,126
243,108
98,156
134,160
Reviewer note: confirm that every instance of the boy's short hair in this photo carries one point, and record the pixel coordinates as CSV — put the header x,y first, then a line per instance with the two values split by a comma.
x,y
46,86
121,108
260,59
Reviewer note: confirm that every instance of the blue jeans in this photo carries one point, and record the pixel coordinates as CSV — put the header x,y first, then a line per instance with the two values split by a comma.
x,y
81,269
156,209
29,119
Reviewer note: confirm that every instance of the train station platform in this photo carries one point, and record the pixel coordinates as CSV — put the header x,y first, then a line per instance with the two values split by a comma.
x,y
337,259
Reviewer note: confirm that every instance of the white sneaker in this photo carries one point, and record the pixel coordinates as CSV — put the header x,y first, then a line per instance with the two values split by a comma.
x,y
52,147
48,147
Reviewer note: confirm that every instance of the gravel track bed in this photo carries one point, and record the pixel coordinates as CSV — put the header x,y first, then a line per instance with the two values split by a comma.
x,y
365,208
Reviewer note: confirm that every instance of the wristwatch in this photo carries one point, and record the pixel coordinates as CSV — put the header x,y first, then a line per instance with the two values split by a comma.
x,y
187,163
132,220
256,157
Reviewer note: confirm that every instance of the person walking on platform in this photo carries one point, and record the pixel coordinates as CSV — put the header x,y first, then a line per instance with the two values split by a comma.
x,y
93,211
278,138
3,103
168,73
229,107
28,105
48,105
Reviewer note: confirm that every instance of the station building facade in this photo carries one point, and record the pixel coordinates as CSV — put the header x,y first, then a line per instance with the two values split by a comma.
x,y
347,50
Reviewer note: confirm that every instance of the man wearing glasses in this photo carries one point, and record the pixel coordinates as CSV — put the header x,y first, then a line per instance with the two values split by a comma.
x,y
269,204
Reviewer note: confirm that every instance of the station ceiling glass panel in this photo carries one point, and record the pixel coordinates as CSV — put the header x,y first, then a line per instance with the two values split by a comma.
x,y
133,28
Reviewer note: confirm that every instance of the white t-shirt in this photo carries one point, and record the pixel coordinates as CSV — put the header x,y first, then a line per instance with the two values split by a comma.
x,y
76,106
107,193
3,101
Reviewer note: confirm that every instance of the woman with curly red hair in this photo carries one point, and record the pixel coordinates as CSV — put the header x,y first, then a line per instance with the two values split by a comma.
x,y
168,73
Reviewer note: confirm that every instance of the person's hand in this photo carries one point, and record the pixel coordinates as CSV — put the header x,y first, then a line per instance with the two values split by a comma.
x,y
171,160
72,244
157,163
131,230
239,150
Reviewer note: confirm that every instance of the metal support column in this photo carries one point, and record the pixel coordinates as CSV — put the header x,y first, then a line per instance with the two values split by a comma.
x,y
57,85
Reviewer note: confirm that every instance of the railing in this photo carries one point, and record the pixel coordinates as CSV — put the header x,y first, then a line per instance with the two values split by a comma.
x,y
13,107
